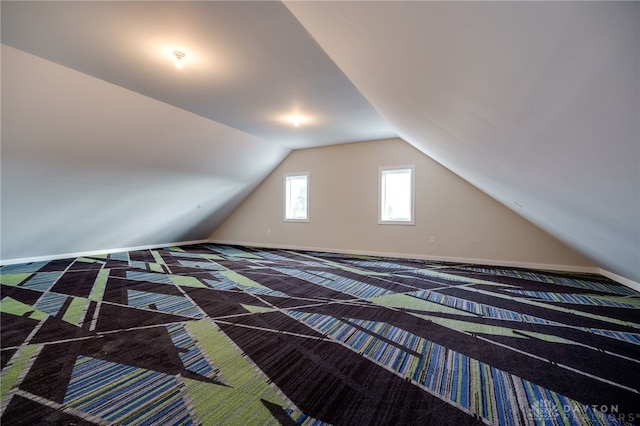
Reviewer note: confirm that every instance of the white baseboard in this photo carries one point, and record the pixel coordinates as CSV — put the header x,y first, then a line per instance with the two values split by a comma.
x,y
488,262
622,280
95,252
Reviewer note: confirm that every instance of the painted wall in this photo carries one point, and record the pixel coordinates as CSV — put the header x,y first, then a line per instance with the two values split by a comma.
x,y
87,165
343,203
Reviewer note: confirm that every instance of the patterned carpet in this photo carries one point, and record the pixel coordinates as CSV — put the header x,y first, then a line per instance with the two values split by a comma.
x,y
223,335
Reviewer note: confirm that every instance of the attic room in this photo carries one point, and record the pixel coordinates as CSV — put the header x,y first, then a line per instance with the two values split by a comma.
x,y
320,212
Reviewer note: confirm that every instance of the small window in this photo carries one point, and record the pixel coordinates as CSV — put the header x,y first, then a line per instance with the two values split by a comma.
x,y
396,195
296,198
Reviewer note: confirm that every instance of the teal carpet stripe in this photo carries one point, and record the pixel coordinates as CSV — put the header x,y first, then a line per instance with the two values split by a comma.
x,y
164,303
358,289
179,335
633,338
265,291
478,308
353,287
124,394
555,279
137,264
51,303
184,254
578,299
23,268
267,258
171,413
42,281
229,250
306,276
380,265
335,282
222,284
121,256
148,276
190,355
212,266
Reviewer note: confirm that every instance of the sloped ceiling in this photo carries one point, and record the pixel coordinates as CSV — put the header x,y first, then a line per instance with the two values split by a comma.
x,y
248,64
88,166
535,103
105,144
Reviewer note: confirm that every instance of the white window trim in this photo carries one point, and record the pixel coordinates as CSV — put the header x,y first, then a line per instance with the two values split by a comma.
x,y
412,167
284,213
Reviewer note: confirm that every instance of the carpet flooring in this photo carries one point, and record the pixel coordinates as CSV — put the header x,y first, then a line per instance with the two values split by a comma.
x,y
226,335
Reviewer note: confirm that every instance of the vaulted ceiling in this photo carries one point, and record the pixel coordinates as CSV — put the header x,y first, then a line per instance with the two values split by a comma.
x,y
248,64
535,103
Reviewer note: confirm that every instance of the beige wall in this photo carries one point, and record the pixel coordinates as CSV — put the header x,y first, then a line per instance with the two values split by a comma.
x,y
343,200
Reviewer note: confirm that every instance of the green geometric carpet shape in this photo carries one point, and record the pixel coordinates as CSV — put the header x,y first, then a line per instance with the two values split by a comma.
x,y
256,309
13,279
12,306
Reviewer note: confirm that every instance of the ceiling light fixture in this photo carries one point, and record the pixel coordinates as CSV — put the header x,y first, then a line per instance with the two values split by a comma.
x,y
179,55
297,120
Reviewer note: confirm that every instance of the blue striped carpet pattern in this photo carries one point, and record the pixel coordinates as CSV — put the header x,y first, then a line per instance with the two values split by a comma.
x,y
42,281
51,303
579,299
609,287
121,394
476,387
163,303
228,335
191,355
477,308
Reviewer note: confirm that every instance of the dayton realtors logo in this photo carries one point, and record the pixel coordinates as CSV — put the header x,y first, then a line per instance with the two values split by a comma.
x,y
544,410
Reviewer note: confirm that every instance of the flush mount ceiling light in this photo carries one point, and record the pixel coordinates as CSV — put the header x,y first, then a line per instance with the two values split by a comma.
x,y
296,120
179,56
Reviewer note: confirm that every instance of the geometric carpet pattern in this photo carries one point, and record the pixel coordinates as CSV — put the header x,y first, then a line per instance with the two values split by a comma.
x,y
228,335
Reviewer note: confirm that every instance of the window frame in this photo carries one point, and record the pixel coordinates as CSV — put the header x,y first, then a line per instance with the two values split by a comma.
x,y
412,219
287,200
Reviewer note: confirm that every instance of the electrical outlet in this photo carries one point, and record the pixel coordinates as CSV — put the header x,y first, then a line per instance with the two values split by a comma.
x,y
432,239
268,231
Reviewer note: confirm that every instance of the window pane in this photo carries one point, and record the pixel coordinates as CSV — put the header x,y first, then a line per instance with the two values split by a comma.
x,y
296,197
396,195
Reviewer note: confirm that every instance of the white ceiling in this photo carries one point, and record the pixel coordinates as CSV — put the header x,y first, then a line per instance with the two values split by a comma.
x,y
248,64
535,103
